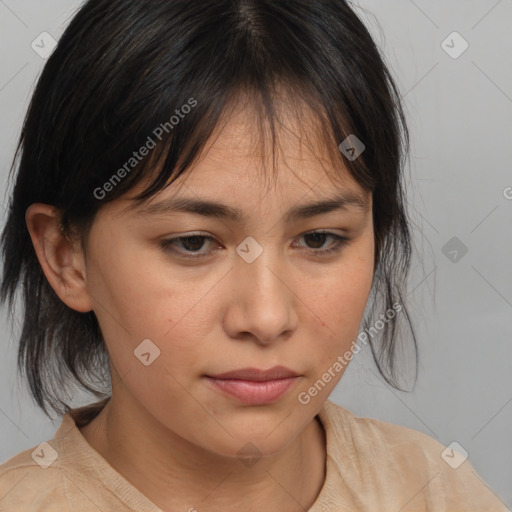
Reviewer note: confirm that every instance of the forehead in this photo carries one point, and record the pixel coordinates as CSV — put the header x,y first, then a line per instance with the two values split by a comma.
x,y
244,135
240,161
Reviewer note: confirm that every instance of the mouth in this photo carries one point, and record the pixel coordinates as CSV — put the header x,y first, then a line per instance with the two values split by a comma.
x,y
253,386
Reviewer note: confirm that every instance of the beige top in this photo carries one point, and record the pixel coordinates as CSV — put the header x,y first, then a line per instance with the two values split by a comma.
x,y
371,466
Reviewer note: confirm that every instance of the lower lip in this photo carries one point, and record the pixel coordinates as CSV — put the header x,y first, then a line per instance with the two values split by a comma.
x,y
252,392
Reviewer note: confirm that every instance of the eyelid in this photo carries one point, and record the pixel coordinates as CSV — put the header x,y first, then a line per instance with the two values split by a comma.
x,y
341,241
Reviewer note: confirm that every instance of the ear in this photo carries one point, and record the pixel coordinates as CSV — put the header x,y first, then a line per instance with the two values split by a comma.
x,y
61,258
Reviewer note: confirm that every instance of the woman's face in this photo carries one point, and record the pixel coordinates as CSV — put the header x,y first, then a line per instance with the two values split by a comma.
x,y
262,292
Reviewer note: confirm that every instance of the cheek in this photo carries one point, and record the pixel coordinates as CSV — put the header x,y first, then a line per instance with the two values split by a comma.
x,y
331,342
139,297
339,301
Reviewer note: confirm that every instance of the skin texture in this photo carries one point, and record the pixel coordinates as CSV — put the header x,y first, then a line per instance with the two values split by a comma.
x,y
166,429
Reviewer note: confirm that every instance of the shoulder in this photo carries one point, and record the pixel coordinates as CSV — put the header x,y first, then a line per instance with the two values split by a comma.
x,y
29,481
49,476
379,443
383,437
402,461
66,473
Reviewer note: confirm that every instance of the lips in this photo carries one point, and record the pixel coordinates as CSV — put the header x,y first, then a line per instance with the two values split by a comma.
x,y
256,375
253,386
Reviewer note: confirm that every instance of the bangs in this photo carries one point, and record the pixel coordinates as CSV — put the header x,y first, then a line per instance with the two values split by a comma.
x,y
269,112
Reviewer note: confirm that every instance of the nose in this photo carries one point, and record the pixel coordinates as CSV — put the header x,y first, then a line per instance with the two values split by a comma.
x,y
262,306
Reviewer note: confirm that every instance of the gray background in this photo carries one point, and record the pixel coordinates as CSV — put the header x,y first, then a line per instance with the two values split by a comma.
x,y
459,185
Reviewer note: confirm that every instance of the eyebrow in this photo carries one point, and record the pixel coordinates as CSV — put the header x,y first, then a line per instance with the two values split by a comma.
x,y
344,201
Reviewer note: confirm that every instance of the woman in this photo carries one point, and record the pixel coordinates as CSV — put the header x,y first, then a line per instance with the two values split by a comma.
x,y
223,306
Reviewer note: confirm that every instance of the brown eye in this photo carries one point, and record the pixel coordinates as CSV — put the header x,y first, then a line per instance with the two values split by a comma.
x,y
317,240
187,245
191,246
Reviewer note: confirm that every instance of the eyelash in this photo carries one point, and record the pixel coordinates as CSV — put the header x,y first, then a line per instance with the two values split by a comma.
x,y
340,243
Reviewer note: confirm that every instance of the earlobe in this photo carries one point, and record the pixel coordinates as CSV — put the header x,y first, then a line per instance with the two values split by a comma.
x,y
60,258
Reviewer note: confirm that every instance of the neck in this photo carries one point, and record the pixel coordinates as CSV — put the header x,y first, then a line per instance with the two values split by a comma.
x,y
178,475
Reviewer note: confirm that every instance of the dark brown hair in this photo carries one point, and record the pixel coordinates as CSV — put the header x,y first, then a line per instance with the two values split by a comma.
x,y
123,69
